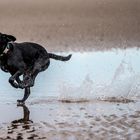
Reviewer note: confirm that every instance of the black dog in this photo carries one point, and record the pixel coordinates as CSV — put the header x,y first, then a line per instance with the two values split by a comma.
x,y
27,59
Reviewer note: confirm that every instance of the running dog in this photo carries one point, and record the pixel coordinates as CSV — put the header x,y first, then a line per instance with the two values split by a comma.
x,y
27,59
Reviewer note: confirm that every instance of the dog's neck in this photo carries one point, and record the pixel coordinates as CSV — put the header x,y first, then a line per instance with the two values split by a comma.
x,y
6,48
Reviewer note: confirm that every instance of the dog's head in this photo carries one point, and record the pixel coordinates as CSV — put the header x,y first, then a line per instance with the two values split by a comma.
x,y
4,39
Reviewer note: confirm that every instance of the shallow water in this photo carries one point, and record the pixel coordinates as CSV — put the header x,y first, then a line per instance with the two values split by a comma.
x,y
87,76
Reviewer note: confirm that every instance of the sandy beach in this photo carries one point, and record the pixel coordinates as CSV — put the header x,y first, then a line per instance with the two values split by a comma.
x,y
76,26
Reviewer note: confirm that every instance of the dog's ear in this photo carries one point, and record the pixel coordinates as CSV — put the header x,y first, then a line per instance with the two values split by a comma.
x,y
10,38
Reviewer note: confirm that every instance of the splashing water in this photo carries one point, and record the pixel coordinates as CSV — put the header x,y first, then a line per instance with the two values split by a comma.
x,y
113,74
87,76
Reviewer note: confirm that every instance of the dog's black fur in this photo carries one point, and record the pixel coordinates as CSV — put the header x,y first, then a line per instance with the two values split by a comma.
x,y
27,59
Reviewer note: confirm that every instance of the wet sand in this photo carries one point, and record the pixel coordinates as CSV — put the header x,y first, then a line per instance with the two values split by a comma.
x,y
54,120
72,25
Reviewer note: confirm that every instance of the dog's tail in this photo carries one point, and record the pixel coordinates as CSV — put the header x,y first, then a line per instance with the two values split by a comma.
x,y
58,57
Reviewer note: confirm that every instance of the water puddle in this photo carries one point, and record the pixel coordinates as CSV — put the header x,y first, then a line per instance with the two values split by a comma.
x,y
87,76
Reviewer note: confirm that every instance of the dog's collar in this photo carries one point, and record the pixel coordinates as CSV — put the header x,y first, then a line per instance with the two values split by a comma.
x,y
6,50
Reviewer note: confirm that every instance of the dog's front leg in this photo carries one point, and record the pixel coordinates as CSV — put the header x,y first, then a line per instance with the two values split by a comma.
x,y
13,78
23,84
26,95
4,69
18,80
26,81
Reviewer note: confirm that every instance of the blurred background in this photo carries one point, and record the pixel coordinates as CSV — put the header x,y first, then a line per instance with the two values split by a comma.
x,y
73,24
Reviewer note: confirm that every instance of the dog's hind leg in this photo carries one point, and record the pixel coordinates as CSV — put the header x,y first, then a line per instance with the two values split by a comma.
x,y
26,95
39,66
37,69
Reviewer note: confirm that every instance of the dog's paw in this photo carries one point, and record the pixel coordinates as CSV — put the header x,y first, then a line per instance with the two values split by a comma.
x,y
21,85
15,85
25,85
28,82
20,102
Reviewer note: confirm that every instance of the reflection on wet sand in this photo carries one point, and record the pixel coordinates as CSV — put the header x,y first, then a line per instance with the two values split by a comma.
x,y
75,121
25,120
23,124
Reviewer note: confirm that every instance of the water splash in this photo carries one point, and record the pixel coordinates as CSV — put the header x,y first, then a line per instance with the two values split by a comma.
x,y
87,76
124,82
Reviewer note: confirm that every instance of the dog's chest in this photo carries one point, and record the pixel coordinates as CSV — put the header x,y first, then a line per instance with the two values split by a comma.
x,y
11,69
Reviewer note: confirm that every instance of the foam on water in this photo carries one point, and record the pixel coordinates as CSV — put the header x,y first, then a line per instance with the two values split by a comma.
x,y
87,76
